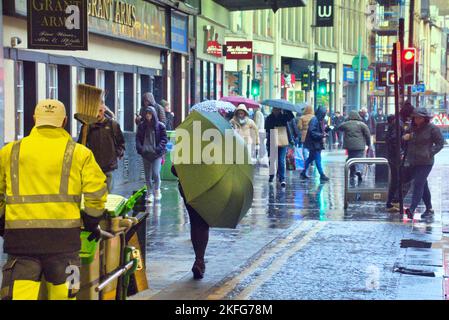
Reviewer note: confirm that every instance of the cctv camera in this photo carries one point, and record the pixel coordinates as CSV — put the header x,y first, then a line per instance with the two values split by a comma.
x,y
15,41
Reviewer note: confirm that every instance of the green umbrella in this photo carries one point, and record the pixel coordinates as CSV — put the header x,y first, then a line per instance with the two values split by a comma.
x,y
221,192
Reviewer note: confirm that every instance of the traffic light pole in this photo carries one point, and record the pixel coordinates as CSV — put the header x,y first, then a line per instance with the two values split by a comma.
x,y
410,41
359,76
315,81
248,75
397,52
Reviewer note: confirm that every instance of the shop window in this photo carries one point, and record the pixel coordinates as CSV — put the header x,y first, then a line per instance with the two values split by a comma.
x,y
20,103
129,101
120,104
267,21
237,21
52,81
139,94
212,81
81,75
101,79
284,24
205,82
292,24
219,81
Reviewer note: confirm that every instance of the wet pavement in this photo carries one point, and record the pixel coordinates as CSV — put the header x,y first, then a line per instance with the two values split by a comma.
x,y
299,243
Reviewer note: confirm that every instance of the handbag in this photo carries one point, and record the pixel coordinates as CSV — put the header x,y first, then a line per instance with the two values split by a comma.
x,y
291,165
282,137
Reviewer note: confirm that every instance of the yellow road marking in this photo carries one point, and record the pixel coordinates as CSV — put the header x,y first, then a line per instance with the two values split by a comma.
x,y
230,285
275,267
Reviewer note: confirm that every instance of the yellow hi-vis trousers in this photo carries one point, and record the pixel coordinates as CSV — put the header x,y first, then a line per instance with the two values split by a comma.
x,y
22,276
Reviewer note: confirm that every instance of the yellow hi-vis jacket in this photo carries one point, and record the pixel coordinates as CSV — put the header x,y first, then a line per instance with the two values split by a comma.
x,y
42,179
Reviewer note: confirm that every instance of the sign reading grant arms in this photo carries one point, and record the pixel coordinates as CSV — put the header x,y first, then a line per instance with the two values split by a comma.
x,y
57,24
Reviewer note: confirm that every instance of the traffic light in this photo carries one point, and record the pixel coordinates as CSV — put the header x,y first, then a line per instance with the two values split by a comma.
x,y
322,86
305,81
408,61
381,78
390,78
255,87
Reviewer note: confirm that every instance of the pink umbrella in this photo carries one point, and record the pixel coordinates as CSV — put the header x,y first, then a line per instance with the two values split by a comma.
x,y
236,100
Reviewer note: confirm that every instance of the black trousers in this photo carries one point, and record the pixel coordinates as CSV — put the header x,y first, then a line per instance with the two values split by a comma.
x,y
22,276
199,233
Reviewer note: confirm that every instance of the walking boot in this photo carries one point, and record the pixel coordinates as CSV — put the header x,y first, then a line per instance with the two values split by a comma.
x,y
157,195
303,175
324,178
428,213
198,269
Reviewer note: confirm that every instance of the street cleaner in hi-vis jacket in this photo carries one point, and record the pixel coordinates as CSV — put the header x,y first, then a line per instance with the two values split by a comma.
x,y
42,179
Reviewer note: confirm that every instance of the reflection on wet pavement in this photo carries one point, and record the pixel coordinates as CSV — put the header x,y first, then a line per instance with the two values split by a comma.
x,y
275,213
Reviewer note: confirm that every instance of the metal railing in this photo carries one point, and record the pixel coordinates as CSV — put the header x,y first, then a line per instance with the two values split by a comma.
x,y
368,161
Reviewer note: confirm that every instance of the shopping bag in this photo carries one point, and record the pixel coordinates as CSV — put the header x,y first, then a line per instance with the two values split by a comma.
x,y
299,159
282,137
291,159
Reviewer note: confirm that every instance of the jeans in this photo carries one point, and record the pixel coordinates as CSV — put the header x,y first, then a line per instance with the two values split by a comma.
x,y
152,174
314,155
305,153
357,167
420,186
109,181
280,162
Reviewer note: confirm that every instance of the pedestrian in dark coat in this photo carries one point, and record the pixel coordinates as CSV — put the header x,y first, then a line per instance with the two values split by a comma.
x,y
315,143
424,141
357,138
394,152
278,119
149,101
151,141
105,139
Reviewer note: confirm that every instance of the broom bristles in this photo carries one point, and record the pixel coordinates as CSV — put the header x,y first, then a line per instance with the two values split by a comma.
x,y
88,100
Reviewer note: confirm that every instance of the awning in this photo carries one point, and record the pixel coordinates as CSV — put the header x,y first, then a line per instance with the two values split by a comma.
x,y
241,5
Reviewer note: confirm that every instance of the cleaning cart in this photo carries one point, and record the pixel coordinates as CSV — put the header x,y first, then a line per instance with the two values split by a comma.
x,y
113,269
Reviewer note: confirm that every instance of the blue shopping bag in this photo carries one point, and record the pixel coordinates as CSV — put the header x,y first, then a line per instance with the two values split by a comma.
x,y
299,159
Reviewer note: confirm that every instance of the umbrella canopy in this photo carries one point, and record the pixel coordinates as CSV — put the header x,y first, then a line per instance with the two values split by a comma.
x,y
213,106
235,100
221,192
281,104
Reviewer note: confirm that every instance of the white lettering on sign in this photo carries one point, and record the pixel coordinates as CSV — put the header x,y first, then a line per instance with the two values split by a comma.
x,y
324,12
73,21
238,50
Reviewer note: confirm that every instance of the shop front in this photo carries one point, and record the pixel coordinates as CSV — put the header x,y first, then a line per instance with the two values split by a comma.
x,y
209,72
123,58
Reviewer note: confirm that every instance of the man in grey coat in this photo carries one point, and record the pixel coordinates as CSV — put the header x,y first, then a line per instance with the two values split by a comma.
x,y
357,137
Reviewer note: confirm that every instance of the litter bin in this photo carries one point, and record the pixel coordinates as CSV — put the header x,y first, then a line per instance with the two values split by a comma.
x,y
166,168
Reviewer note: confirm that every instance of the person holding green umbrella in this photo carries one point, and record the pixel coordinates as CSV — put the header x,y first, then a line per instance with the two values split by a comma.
x,y
217,186
278,119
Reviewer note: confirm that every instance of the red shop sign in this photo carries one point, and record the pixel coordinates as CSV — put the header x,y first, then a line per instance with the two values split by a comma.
x,y
239,50
214,48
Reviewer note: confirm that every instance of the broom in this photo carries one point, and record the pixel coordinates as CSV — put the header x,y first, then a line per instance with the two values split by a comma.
x,y
88,99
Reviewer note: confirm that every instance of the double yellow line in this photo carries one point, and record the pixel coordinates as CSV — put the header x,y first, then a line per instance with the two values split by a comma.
x,y
225,289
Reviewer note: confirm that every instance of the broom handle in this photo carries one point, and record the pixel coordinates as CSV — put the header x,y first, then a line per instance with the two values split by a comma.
x,y
84,131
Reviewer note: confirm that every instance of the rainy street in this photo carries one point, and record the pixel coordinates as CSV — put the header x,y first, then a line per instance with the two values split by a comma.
x,y
299,243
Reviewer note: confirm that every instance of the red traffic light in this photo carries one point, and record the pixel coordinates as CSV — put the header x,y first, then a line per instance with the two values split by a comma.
x,y
408,55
